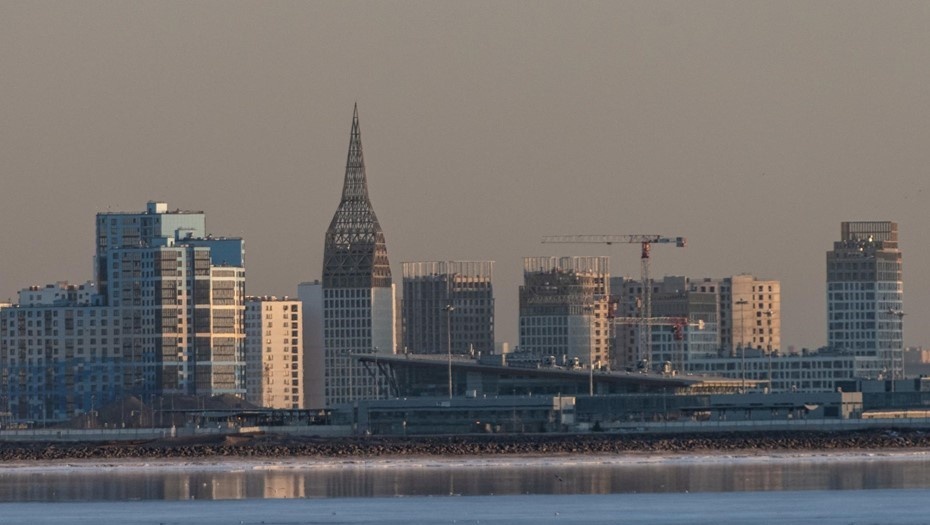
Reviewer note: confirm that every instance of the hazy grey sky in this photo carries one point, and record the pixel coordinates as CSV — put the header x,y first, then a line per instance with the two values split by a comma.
x,y
752,128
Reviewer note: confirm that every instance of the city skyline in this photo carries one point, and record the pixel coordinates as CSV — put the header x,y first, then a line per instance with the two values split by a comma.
x,y
725,123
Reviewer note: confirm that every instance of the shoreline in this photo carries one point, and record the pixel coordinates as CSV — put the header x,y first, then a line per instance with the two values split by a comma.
x,y
269,447
561,461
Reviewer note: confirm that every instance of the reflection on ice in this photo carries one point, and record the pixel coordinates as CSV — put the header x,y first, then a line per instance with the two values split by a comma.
x,y
477,476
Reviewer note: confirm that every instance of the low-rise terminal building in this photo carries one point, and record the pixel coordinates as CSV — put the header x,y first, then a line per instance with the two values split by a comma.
x,y
444,376
627,412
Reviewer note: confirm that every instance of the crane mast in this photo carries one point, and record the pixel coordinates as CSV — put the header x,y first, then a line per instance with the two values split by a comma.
x,y
678,323
645,241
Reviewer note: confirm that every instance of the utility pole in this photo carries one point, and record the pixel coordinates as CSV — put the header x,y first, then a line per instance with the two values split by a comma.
x,y
449,308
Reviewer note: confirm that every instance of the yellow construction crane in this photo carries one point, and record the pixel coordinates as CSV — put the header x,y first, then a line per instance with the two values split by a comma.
x,y
645,241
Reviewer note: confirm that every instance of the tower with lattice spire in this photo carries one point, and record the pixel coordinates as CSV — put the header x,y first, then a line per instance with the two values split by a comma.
x,y
358,295
355,255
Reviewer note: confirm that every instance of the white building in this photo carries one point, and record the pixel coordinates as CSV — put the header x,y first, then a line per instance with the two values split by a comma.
x,y
820,371
60,293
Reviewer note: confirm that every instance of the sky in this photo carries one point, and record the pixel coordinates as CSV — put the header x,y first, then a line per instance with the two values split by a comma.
x,y
751,128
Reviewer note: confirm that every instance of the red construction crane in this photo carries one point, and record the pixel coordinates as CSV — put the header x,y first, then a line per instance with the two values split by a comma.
x,y
645,242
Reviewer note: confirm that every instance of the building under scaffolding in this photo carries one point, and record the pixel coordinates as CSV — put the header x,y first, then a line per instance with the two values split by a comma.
x,y
564,309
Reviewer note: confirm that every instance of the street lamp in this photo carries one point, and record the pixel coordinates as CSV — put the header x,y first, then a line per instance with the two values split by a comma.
x,y
742,347
449,308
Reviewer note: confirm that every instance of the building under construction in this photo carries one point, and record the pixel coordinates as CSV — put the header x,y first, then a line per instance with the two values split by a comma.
x,y
684,323
448,306
564,309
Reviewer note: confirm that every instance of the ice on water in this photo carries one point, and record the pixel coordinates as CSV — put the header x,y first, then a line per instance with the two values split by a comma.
x,y
811,507
790,487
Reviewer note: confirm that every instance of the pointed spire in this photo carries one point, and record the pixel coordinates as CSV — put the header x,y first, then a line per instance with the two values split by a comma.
x,y
355,255
356,181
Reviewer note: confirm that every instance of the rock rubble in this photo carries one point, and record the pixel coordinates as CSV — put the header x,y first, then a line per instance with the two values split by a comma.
x,y
279,445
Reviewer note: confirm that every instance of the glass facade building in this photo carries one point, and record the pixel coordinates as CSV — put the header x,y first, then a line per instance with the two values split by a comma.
x,y
865,290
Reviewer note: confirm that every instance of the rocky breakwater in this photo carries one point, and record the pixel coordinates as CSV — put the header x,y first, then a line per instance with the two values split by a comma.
x,y
272,445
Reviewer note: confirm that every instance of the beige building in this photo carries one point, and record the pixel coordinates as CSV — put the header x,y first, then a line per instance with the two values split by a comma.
x,y
750,313
274,352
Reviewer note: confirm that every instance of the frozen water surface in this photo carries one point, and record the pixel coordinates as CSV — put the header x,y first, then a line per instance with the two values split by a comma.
x,y
810,507
821,488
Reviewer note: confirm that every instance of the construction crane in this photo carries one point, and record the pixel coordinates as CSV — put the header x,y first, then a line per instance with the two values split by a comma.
x,y
679,324
645,242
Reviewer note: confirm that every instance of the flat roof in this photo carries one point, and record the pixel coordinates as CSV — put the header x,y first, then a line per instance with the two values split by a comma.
x,y
467,364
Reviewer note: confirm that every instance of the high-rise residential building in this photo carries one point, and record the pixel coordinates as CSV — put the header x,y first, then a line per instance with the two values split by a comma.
x,y
684,323
165,315
60,353
358,294
865,290
564,307
274,352
180,294
448,304
750,312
